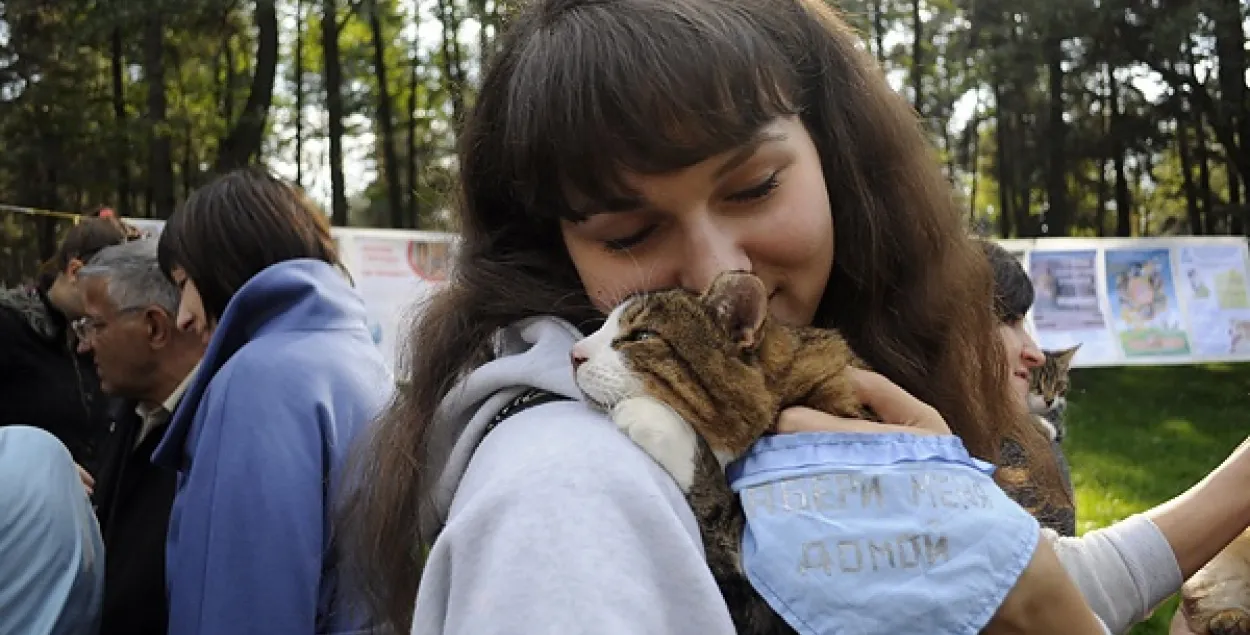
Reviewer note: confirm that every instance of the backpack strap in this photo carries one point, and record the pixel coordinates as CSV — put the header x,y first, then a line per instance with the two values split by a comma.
x,y
524,401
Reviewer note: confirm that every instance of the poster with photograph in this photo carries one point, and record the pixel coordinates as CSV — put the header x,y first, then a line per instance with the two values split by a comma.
x,y
1067,308
1146,313
394,275
1213,282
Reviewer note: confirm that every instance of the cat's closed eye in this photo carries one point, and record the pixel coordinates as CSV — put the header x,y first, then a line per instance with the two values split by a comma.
x,y
638,335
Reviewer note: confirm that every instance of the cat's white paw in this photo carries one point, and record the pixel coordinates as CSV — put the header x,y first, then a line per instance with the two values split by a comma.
x,y
661,433
1046,427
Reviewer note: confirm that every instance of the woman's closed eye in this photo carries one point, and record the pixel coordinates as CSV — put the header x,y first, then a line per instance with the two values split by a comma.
x,y
756,192
632,240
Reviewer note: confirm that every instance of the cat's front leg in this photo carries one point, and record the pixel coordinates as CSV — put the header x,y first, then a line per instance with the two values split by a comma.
x,y
661,433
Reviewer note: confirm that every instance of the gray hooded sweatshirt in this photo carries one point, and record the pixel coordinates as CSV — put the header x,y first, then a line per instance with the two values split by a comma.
x,y
557,523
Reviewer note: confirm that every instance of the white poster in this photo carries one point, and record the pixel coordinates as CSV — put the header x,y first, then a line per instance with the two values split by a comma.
x,y
1212,279
394,275
1067,309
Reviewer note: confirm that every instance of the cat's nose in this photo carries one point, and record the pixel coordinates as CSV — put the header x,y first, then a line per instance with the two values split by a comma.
x,y
577,358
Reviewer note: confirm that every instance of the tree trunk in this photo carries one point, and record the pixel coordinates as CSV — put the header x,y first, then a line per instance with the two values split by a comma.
x,y
1100,214
453,66
1057,212
394,191
243,143
161,170
878,29
1236,216
414,200
1230,46
1204,174
976,166
1123,200
1192,211
299,93
122,145
917,59
227,99
334,109
1003,163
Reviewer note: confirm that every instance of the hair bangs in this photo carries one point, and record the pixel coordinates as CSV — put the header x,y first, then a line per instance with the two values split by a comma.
x,y
604,91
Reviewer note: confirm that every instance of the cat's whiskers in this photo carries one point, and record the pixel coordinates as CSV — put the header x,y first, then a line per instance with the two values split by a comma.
x,y
645,281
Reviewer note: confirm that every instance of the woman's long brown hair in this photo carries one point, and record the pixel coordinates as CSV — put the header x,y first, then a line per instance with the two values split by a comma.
x,y
582,91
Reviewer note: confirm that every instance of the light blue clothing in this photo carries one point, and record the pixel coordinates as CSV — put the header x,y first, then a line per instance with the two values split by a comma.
x,y
290,377
875,533
51,553
557,523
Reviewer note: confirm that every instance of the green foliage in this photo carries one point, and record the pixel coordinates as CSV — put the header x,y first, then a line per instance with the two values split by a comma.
x,y
1139,436
983,70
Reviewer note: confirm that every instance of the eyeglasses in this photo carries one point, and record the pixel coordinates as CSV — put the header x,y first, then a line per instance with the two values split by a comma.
x,y
86,327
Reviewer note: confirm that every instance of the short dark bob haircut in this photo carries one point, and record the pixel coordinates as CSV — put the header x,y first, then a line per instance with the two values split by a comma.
x,y
238,225
1013,290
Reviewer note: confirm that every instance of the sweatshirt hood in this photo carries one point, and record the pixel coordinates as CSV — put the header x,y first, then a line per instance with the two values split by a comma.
x,y
533,353
292,295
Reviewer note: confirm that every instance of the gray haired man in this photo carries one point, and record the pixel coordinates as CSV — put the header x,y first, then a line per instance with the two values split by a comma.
x,y
146,364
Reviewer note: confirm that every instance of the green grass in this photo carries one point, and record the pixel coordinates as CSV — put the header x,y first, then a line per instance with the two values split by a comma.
x,y
1138,436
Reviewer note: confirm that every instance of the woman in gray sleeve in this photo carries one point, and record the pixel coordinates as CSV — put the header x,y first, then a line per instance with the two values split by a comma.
x,y
1124,570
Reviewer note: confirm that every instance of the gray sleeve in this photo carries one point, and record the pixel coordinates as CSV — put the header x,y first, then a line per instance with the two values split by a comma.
x,y
1124,571
562,526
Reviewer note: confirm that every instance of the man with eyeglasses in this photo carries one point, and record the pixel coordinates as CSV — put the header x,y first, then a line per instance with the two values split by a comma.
x,y
146,363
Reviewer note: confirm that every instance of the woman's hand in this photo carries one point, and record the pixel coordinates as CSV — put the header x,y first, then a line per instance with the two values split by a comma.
x,y
1179,625
899,411
88,482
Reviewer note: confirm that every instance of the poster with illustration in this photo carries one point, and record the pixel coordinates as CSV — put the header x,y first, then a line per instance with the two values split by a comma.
x,y
395,275
1146,314
1213,282
1067,310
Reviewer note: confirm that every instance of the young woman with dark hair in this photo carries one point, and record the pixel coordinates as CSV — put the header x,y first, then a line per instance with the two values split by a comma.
x,y
1013,297
44,382
289,377
634,145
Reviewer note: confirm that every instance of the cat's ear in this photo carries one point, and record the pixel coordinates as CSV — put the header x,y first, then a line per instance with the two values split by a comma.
x,y
1064,357
739,302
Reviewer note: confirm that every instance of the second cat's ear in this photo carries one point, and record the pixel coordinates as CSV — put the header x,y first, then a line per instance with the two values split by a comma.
x,y
739,301
1065,356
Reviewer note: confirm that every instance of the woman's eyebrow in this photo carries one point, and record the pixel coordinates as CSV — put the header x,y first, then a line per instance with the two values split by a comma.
x,y
633,203
748,150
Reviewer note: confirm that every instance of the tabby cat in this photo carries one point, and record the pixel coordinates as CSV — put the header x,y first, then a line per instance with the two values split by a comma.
x,y
1048,390
1216,600
641,367
695,380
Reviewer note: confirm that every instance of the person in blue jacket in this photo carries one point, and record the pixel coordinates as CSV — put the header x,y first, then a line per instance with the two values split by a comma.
x,y
290,376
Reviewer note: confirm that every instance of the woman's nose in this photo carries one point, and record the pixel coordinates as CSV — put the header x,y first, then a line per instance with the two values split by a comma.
x,y
711,251
1031,354
184,320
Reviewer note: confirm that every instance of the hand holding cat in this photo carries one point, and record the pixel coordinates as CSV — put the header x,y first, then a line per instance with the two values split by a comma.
x,y
899,411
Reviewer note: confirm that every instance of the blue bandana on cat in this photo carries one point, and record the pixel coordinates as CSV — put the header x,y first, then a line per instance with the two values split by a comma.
x,y
878,533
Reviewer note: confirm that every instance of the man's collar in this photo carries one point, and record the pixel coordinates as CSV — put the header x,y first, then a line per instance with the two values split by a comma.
x,y
171,402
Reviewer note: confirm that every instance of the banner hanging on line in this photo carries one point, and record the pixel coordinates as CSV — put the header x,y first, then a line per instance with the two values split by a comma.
x,y
1126,301
1140,301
